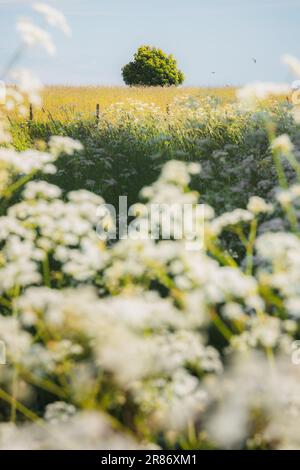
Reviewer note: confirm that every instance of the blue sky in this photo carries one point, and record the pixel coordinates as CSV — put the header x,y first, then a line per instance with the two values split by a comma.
x,y
206,36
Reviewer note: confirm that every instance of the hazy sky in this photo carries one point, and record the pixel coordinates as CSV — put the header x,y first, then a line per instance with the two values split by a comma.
x,y
206,36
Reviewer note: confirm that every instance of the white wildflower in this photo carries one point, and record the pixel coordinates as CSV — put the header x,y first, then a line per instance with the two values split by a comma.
x,y
229,219
282,144
41,189
5,135
259,91
87,430
175,172
293,306
67,145
28,84
194,168
287,196
233,311
59,412
28,162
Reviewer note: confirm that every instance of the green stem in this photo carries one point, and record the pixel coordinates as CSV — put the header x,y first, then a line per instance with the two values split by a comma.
x,y
223,257
279,170
43,384
21,408
250,246
17,185
13,410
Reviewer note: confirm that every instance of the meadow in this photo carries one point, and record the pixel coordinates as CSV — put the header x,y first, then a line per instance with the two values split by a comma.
x,y
66,102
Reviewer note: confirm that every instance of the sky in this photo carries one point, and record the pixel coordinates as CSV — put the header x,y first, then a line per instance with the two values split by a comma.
x,y
205,36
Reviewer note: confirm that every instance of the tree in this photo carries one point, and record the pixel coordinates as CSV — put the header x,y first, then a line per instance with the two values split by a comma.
x,y
152,67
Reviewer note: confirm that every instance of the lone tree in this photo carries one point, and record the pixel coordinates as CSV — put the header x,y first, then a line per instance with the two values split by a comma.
x,y
152,67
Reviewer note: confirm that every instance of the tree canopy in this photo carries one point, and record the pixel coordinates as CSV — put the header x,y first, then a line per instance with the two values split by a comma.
x,y
152,67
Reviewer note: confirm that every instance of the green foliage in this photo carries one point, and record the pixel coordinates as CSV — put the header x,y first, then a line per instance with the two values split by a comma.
x,y
152,67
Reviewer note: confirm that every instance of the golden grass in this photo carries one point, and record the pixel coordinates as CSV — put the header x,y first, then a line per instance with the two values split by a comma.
x,y
64,102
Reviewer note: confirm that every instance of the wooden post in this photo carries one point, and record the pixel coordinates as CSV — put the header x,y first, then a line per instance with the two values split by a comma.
x,y
97,113
30,112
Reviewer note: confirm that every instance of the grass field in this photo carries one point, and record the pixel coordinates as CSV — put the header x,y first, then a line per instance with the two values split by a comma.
x,y
84,99
65,102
